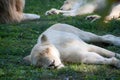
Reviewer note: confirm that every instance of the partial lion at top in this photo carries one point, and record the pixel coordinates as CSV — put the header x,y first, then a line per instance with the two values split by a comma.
x,y
12,11
82,7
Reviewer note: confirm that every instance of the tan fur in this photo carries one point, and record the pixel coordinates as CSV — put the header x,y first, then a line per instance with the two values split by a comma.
x,y
65,43
12,11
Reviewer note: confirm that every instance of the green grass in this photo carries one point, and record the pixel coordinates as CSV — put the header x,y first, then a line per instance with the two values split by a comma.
x,y
17,40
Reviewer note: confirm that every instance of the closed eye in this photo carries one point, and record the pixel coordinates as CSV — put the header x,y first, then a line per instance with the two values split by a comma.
x,y
66,2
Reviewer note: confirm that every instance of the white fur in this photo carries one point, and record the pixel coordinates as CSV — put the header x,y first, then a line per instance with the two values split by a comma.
x,y
72,47
81,7
27,16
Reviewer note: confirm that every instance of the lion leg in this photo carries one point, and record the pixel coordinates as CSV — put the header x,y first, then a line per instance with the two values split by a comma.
x,y
111,39
94,58
56,11
103,52
91,37
28,16
20,16
81,10
114,14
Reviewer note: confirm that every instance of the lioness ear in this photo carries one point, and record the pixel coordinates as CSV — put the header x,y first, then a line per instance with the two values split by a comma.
x,y
44,39
27,59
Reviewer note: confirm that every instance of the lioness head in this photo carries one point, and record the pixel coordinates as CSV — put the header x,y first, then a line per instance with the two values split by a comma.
x,y
69,4
44,55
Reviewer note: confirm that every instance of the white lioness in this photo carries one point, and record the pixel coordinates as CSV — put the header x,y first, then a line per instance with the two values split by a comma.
x,y
65,43
81,7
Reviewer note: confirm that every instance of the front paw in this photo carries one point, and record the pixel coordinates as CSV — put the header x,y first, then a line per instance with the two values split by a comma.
x,y
110,17
52,11
93,18
116,62
112,39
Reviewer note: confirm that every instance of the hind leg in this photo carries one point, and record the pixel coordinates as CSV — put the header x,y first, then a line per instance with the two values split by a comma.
x,y
91,37
102,51
111,39
94,58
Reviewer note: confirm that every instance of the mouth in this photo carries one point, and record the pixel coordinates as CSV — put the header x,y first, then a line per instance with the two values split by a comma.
x,y
52,63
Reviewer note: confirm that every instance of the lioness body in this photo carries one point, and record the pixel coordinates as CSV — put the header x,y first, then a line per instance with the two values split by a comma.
x,y
81,7
65,43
